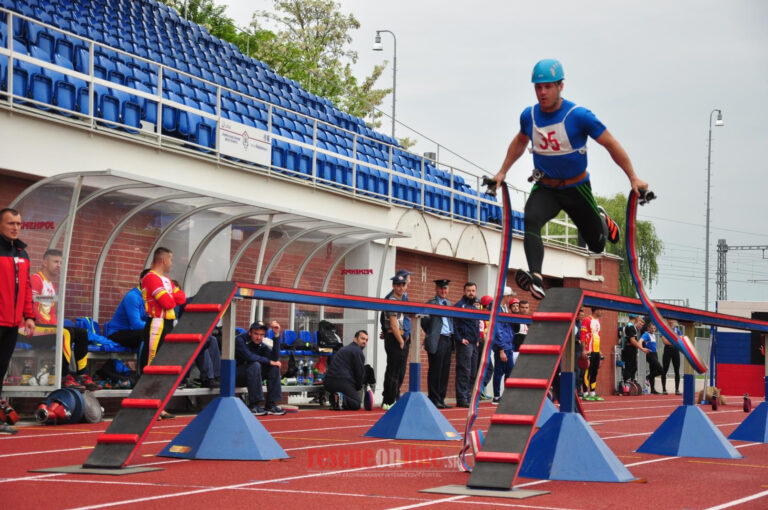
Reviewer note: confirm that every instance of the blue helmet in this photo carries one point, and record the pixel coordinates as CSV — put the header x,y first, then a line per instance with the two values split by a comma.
x,y
547,71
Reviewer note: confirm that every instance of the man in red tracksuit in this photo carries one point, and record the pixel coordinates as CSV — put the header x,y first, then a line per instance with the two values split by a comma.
x,y
161,296
15,293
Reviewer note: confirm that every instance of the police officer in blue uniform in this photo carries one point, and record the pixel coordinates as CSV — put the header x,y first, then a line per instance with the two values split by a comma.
x,y
255,362
438,343
557,130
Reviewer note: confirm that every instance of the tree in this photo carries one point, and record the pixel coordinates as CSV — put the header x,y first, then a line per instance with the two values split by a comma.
x,y
649,246
311,45
307,41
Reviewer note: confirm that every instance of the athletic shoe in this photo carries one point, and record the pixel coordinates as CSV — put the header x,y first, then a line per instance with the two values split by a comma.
x,y
165,415
483,396
589,397
612,230
210,383
257,410
386,407
530,282
335,402
69,382
664,392
597,398
496,401
462,404
8,430
537,287
274,410
86,381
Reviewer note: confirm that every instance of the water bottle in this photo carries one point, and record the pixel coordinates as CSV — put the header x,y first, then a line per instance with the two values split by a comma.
x,y
300,372
647,388
310,372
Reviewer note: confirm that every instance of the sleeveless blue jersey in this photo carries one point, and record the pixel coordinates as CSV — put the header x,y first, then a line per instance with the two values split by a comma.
x,y
559,139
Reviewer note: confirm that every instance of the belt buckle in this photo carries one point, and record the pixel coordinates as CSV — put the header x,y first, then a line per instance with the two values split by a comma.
x,y
536,175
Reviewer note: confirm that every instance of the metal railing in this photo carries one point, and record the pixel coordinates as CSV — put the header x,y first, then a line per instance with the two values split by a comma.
x,y
428,172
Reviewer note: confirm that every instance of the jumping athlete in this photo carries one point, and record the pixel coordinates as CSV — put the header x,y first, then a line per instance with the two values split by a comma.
x,y
557,130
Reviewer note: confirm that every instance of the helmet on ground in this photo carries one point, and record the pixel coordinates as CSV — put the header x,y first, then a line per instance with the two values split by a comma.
x,y
547,71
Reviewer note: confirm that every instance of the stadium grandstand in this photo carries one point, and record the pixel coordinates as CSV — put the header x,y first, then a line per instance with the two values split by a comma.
x,y
126,127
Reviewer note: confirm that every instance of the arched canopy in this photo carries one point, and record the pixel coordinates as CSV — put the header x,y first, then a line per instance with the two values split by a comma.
x,y
109,223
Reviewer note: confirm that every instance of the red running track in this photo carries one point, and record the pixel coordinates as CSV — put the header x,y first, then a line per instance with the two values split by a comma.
x,y
333,466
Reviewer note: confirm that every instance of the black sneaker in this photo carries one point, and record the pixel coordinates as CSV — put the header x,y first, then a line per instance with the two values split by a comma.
x,y
257,410
523,279
210,383
611,229
537,287
7,429
335,402
275,410
496,401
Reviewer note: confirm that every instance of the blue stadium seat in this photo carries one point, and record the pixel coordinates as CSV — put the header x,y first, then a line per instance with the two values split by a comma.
x,y
130,111
40,37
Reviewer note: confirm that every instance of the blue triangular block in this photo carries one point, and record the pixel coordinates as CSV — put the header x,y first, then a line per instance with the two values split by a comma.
x,y
566,448
414,416
224,430
688,432
547,410
754,427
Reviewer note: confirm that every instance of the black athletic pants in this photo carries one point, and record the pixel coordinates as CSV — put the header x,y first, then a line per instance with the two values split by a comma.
x,y
130,338
545,203
351,399
594,366
394,374
8,336
630,364
654,366
670,355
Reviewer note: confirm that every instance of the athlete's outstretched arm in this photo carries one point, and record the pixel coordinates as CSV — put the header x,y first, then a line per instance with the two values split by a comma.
x,y
621,158
516,149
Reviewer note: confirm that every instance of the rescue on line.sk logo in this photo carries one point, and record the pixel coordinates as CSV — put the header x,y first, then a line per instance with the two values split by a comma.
x,y
350,458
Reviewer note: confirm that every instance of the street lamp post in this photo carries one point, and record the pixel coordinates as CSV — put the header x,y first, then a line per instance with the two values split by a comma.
x,y
377,46
718,122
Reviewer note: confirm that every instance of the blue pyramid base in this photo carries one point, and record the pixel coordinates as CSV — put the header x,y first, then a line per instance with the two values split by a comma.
x,y
224,430
688,432
566,448
414,416
547,410
754,427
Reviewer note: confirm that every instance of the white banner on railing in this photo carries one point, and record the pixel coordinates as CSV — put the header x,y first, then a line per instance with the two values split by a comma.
x,y
245,142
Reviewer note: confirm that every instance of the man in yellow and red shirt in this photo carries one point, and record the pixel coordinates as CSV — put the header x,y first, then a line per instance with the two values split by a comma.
x,y
161,297
75,339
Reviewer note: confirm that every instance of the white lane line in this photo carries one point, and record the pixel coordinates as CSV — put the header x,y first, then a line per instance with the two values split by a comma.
x,y
735,502
262,482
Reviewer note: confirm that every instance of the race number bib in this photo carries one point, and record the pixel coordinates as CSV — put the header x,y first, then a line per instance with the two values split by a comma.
x,y
551,140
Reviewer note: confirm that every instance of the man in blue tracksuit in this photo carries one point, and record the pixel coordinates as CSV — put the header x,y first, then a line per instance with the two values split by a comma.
x,y
467,337
557,131
127,324
255,363
503,348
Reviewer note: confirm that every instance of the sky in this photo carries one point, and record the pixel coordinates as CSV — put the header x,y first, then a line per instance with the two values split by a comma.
x,y
651,71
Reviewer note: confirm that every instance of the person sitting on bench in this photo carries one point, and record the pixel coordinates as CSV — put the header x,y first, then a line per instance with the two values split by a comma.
x,y
255,363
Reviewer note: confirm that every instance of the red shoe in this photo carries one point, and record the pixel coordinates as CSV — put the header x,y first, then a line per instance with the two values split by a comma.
x,y
613,232
70,382
86,381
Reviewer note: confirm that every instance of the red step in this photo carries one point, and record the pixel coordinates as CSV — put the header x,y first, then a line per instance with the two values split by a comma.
x,y
194,338
513,419
142,403
552,316
118,438
204,308
164,370
509,458
513,382
536,349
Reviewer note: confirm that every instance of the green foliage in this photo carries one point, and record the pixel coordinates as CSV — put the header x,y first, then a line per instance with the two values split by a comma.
x,y
305,40
649,246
